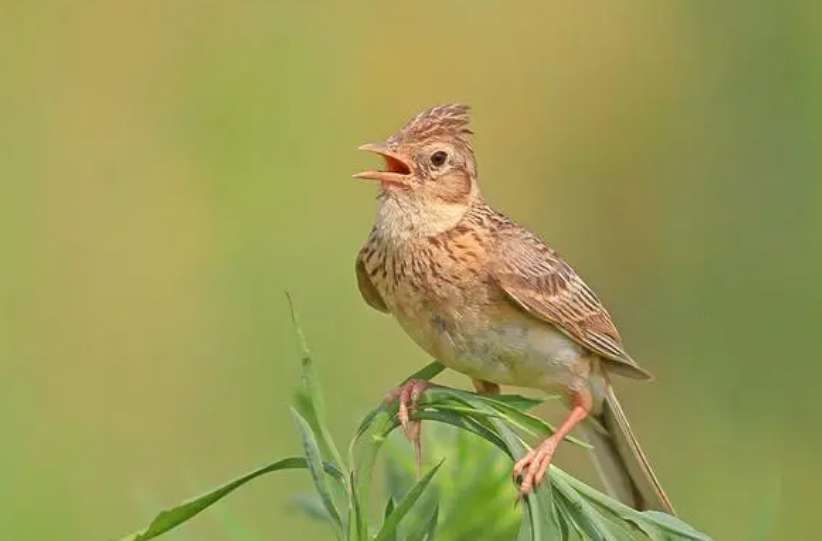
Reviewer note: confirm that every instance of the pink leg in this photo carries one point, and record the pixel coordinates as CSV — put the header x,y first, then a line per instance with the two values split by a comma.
x,y
408,394
533,466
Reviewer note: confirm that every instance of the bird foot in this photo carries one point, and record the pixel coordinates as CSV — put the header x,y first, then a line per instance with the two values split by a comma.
x,y
408,395
530,470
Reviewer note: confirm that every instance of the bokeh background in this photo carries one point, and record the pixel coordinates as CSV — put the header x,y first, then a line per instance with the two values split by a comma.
x,y
168,169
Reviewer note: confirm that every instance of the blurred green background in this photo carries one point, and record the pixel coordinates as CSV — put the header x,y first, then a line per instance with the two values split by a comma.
x,y
167,169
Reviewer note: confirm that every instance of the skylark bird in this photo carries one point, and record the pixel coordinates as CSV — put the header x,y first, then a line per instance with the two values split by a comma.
x,y
491,300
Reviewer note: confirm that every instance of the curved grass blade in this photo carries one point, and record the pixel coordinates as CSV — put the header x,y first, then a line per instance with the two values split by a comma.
x,y
389,527
427,372
464,422
310,400
174,516
583,513
550,514
655,524
363,452
521,403
312,455
389,508
365,445
539,508
431,527
531,423
425,530
510,409
570,529
355,516
312,506
665,525
545,519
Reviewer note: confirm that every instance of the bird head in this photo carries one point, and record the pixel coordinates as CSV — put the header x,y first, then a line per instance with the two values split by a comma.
x,y
430,160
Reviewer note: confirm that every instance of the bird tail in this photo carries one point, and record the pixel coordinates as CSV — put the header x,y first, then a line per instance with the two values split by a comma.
x,y
622,465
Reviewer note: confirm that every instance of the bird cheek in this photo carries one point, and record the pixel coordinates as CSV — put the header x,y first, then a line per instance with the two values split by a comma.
x,y
422,180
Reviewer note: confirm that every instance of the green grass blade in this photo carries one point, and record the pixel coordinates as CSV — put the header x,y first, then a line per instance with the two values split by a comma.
x,y
464,422
531,423
365,445
431,527
174,516
564,508
539,506
567,525
467,410
315,466
311,506
653,523
363,452
521,403
509,408
310,401
584,515
426,530
389,508
669,525
525,533
389,527
357,523
428,372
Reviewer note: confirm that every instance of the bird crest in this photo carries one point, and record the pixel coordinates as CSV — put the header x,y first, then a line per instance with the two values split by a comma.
x,y
449,120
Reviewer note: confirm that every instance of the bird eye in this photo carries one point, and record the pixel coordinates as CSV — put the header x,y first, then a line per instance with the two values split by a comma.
x,y
438,158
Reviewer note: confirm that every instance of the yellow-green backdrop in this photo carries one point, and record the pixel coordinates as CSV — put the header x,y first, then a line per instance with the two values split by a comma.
x,y
167,169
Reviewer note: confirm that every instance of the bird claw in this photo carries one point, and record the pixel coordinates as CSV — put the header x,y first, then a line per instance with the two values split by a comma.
x,y
531,469
408,395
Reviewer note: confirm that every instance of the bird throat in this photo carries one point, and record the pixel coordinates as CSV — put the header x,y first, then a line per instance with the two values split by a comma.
x,y
402,218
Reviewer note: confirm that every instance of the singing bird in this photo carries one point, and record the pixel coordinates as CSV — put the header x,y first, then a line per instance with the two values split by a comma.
x,y
490,299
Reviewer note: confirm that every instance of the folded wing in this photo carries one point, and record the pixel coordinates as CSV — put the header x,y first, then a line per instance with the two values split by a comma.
x,y
536,279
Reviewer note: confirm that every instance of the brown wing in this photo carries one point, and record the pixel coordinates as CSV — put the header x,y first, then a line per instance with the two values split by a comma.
x,y
546,287
367,289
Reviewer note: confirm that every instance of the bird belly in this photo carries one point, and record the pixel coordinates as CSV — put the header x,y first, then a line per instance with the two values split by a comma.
x,y
518,351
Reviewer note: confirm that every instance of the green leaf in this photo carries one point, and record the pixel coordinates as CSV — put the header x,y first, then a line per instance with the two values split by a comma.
x,y
315,466
174,516
509,408
567,524
365,445
389,508
363,452
525,533
389,527
521,403
310,402
563,508
431,528
539,506
583,513
464,422
312,506
667,525
655,524
466,410
532,424
427,372
425,530
356,518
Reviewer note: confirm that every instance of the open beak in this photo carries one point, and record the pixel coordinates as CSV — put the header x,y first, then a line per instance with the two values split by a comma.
x,y
397,171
